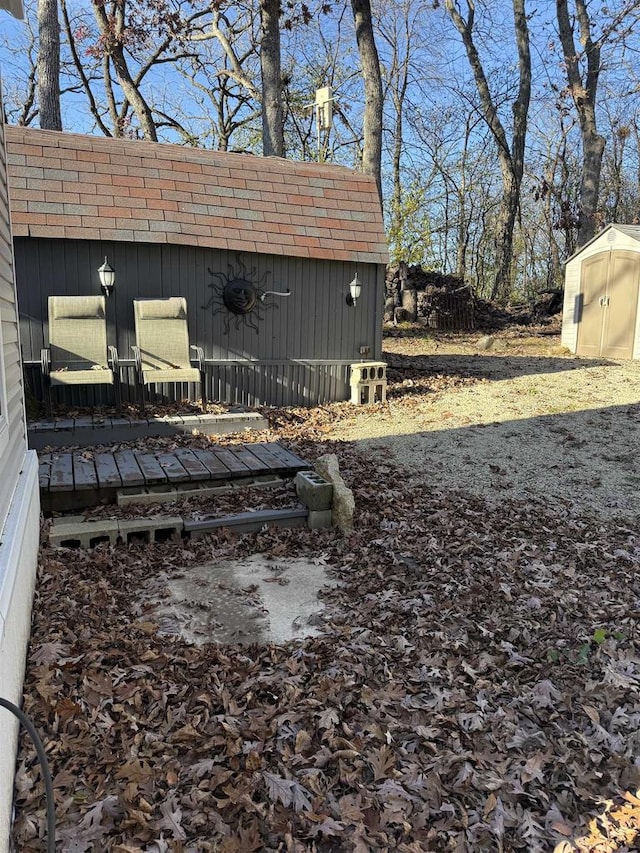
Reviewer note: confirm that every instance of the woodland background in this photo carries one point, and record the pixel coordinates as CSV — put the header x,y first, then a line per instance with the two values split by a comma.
x,y
503,133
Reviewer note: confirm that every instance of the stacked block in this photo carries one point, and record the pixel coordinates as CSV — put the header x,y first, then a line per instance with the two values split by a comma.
x,y
368,382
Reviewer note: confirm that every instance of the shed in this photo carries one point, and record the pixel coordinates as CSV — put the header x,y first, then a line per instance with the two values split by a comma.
x,y
179,221
19,503
600,316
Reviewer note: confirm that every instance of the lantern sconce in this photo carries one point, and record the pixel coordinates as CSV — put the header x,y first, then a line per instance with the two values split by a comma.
x,y
107,277
354,291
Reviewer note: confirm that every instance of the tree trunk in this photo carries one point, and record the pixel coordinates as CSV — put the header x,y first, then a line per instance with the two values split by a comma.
x,y
112,30
49,65
372,146
584,94
132,94
272,113
511,158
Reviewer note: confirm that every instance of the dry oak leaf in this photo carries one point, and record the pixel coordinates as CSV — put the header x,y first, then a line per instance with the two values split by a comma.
x,y
382,762
287,791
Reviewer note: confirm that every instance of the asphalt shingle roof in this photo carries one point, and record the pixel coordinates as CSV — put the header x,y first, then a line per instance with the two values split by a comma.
x,y
65,185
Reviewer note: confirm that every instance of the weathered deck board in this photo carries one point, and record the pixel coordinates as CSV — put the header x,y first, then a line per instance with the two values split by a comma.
x,y
196,469
151,469
269,459
105,472
84,473
44,470
172,468
61,476
252,462
216,467
129,469
235,466
289,460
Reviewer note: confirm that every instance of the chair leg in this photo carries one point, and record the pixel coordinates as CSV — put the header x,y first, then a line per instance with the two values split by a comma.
x,y
203,390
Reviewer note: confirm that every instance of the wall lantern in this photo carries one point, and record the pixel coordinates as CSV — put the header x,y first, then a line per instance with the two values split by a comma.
x,y
107,277
354,291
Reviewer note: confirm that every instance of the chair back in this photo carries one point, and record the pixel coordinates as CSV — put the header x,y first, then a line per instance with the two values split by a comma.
x,y
77,332
162,333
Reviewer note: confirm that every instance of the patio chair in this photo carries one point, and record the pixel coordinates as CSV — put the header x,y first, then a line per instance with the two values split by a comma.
x,y
162,345
78,353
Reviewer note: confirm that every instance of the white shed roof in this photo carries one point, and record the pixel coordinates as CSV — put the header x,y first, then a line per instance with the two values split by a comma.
x,y
632,231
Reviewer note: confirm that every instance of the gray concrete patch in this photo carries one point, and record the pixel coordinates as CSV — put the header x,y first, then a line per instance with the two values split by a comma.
x,y
253,600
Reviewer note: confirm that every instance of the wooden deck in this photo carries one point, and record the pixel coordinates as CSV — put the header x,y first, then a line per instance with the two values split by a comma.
x,y
76,479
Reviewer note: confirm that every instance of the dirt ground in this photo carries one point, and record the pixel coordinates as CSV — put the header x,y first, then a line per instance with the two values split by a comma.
x,y
508,416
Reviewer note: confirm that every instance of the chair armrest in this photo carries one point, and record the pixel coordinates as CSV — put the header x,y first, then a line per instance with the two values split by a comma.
x,y
199,356
113,359
45,362
138,358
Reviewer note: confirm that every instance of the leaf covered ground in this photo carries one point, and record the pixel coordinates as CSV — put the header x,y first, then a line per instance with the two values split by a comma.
x,y
476,686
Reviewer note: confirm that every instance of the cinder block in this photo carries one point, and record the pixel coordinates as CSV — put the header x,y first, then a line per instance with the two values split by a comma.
x,y
368,382
313,490
144,497
319,519
76,532
150,529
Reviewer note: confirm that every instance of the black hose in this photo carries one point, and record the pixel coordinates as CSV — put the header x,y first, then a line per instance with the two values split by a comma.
x,y
44,765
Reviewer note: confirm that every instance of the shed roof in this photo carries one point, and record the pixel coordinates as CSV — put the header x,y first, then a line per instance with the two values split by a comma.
x,y
630,230
94,188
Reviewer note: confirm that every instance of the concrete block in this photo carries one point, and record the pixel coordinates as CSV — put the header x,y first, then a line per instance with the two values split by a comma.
x,y
150,529
146,496
76,532
368,382
313,490
319,519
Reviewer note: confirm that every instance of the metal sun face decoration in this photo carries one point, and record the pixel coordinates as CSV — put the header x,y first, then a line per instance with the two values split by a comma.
x,y
241,295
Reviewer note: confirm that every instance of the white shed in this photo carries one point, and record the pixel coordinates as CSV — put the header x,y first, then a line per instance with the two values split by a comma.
x,y
602,279
19,502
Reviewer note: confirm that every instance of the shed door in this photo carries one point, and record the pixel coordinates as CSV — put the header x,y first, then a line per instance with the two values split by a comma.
x,y
622,305
593,287
609,287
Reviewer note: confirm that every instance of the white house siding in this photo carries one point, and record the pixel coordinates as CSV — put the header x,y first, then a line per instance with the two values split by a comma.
x,y
18,560
613,238
569,336
19,513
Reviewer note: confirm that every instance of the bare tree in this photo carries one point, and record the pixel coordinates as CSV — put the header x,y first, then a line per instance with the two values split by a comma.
x,y
397,26
584,90
48,70
583,66
372,124
511,156
111,23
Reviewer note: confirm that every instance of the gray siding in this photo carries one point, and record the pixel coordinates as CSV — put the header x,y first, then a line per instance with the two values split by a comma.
x,y
304,342
12,453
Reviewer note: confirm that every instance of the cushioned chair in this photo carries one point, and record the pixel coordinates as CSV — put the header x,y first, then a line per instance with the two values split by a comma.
x,y
78,353
162,350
